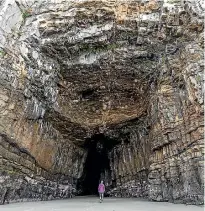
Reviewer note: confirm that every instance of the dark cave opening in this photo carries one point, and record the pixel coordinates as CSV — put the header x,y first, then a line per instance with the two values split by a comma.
x,y
96,164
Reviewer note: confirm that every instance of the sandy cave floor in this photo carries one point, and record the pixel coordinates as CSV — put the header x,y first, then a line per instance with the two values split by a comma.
x,y
92,204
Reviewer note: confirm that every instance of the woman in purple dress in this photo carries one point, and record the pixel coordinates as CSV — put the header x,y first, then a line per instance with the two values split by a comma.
x,y
101,190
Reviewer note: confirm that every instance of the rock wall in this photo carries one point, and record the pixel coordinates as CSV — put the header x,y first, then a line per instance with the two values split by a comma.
x,y
176,168
131,71
177,144
130,165
36,163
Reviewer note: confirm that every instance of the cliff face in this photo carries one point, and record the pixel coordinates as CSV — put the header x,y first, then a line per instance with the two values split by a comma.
x,y
114,86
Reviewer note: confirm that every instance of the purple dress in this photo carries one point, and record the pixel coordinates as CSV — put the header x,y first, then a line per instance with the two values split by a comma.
x,y
101,188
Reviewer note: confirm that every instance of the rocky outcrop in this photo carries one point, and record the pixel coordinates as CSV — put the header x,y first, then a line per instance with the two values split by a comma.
x,y
117,79
177,160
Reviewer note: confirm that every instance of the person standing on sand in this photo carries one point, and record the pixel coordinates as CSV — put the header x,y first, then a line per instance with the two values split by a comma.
x,y
101,190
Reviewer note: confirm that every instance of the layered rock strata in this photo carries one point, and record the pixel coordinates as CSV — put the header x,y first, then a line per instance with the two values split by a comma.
x,y
128,71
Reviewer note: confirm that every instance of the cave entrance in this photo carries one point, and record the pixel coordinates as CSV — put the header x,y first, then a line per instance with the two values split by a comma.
x,y
97,164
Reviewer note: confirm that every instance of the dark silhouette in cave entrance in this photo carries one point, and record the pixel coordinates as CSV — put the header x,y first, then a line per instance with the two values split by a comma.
x,y
96,164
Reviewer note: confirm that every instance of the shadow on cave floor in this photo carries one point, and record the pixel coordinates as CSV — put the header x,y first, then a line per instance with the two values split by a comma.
x,y
96,164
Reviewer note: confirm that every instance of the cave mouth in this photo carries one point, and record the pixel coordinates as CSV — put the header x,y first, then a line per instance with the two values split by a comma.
x,y
97,164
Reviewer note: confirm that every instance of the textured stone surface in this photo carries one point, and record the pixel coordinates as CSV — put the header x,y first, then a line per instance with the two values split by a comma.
x,y
131,71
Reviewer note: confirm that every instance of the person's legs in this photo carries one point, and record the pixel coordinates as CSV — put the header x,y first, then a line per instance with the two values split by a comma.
x,y
101,196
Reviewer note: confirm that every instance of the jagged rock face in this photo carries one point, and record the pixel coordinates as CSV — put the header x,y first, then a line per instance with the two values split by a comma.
x,y
118,80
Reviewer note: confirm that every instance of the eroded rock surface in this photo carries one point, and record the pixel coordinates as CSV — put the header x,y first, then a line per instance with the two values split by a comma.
x,y
126,75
